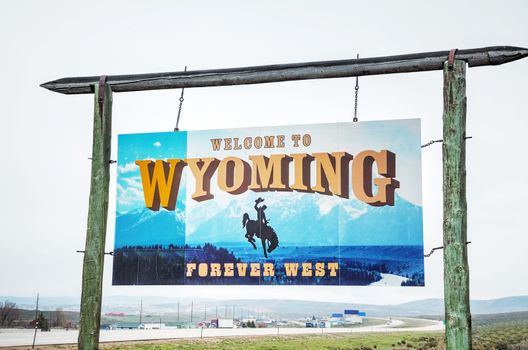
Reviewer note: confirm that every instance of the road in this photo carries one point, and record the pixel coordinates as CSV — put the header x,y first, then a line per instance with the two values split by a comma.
x,y
24,337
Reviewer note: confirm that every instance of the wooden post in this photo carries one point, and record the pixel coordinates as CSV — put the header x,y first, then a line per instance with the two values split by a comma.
x,y
456,270
92,279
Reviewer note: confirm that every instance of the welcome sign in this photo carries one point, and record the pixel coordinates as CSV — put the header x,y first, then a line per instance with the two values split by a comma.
x,y
324,204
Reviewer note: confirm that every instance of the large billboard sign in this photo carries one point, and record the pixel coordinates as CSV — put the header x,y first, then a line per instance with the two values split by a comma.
x,y
323,204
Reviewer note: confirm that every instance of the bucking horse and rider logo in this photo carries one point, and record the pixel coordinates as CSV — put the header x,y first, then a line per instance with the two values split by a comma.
x,y
261,229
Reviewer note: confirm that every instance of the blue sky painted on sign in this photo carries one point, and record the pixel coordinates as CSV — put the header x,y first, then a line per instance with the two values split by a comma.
x,y
132,147
135,224
331,217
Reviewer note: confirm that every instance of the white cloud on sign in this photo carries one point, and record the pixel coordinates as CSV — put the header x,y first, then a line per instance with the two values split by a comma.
x,y
129,196
128,167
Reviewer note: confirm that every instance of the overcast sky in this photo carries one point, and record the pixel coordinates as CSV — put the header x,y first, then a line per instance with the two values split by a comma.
x,y
46,137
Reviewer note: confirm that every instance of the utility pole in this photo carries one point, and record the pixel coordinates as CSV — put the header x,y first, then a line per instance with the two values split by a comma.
x,y
178,312
456,270
36,323
141,312
192,306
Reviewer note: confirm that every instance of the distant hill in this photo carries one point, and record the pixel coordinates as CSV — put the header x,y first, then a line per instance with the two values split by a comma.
x,y
273,307
493,306
45,303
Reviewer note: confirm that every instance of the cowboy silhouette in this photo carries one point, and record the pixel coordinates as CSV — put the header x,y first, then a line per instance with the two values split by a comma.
x,y
261,216
260,228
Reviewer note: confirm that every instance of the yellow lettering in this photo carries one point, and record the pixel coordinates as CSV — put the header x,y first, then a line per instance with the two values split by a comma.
x,y
319,269
331,173
301,167
291,269
362,177
333,267
233,175
215,270
269,269
306,269
255,270
203,270
202,170
229,270
190,269
264,167
241,267
161,181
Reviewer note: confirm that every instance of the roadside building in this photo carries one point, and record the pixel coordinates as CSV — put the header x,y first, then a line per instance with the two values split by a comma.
x,y
150,326
127,325
222,323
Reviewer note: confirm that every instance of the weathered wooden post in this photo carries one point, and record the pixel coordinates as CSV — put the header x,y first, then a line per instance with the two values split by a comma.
x,y
92,279
456,270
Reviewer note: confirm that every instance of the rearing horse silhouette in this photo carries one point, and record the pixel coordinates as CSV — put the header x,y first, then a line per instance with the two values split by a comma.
x,y
264,232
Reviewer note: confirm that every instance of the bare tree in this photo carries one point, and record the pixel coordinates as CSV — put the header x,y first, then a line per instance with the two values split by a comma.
x,y
8,313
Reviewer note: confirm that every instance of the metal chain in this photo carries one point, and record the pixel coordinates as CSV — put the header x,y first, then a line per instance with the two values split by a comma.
x,y
432,251
438,248
356,98
431,142
180,108
435,141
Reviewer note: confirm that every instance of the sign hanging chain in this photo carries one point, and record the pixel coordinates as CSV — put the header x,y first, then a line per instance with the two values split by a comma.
x,y
180,108
356,97
435,141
